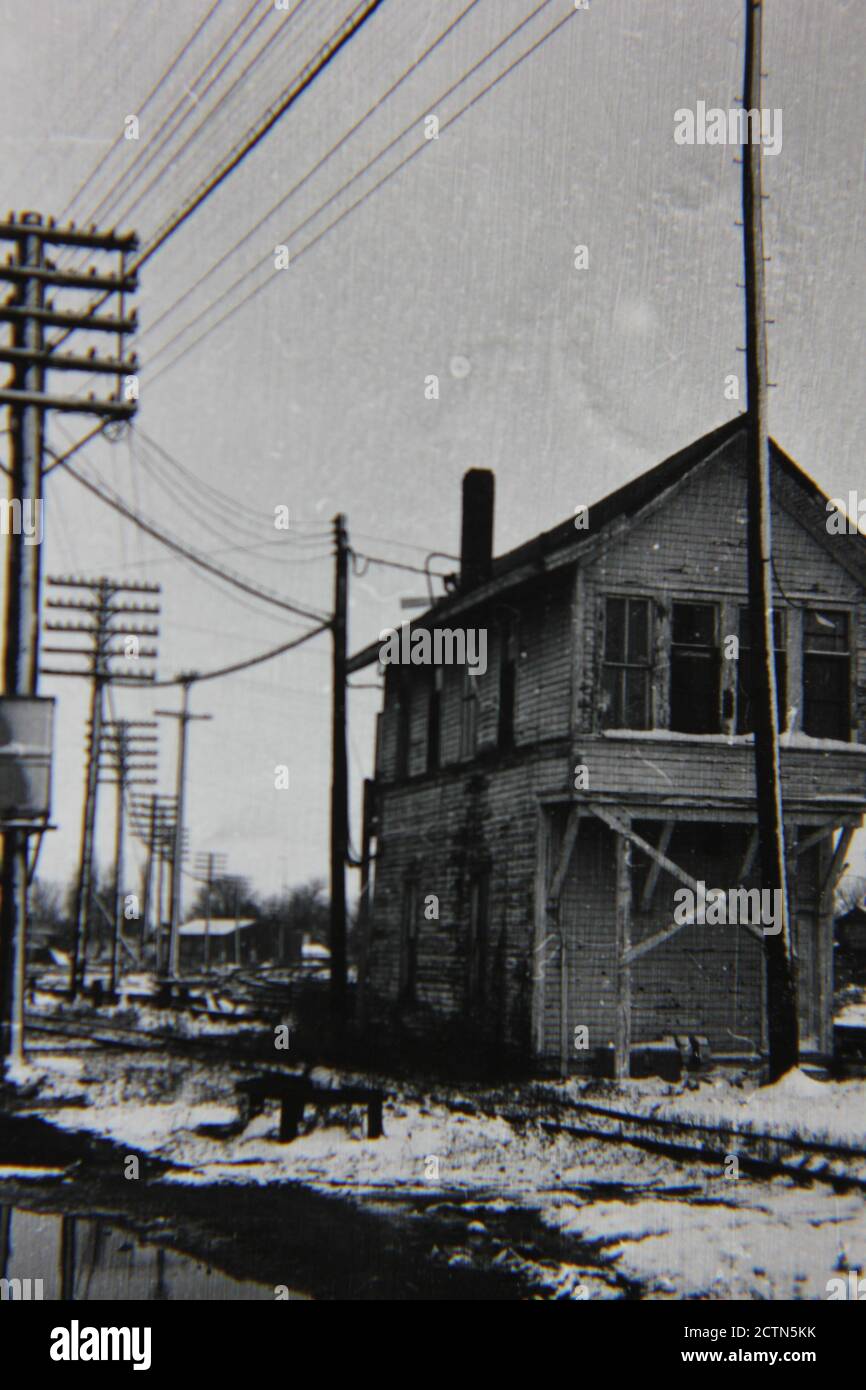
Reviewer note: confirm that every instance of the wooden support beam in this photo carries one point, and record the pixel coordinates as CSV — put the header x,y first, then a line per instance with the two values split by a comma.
x,y
749,857
622,1040
622,827
569,840
655,867
649,943
837,865
810,841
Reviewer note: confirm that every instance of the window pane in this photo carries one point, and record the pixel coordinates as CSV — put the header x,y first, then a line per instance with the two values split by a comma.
x,y
611,703
695,692
825,631
614,630
638,625
636,689
826,697
694,624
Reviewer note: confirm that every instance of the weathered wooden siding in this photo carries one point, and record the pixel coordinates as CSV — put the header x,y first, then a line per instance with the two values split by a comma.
x,y
438,828
692,545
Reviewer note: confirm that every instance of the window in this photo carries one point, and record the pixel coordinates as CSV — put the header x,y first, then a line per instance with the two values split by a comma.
x,y
695,669
476,952
469,716
409,943
745,711
434,714
826,674
507,681
626,667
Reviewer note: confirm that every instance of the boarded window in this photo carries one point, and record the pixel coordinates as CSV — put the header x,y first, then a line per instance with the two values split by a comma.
x,y
626,668
409,943
826,674
745,681
476,948
695,669
507,683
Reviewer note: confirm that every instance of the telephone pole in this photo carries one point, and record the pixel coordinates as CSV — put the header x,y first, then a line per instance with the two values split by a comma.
x,y
213,866
152,822
780,968
127,753
339,776
31,275
110,620
184,718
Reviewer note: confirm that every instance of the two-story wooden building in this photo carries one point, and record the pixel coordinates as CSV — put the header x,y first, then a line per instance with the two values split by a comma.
x,y
528,828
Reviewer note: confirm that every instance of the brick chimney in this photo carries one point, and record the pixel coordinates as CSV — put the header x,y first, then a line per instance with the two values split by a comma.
x,y
476,535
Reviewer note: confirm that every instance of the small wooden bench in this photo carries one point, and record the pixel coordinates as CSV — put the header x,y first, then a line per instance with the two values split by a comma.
x,y
295,1093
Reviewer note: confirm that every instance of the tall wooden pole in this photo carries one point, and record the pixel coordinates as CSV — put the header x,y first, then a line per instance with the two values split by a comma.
x,y
21,652
176,867
339,776
780,972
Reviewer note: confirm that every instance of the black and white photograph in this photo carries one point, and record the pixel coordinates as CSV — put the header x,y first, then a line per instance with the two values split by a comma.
x,y
433,715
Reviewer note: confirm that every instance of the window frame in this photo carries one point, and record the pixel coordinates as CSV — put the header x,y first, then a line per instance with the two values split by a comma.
x,y
846,656
683,648
644,665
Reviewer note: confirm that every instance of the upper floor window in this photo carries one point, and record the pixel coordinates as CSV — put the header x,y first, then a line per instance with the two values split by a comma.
x,y
826,674
695,691
745,698
626,665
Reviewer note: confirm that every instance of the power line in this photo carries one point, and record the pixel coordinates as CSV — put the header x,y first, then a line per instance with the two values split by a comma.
x,y
352,207
145,157
313,69
105,495
208,119
193,678
175,63
275,207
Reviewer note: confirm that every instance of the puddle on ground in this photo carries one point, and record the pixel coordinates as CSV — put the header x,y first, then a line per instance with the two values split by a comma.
x,y
80,1258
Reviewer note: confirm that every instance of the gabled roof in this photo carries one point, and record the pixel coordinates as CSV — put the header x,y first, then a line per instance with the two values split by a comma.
x,y
626,501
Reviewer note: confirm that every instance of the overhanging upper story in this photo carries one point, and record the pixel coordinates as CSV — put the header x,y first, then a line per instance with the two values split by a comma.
x,y
619,641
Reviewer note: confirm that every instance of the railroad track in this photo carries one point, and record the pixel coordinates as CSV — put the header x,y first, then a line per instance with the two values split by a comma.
x,y
761,1154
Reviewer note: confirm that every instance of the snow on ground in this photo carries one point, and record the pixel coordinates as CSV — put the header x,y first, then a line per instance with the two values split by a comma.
x,y
797,1105
609,1206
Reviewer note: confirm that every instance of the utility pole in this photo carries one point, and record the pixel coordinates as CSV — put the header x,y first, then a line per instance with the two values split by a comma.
x,y
30,357
339,776
780,968
184,718
213,867
152,821
108,623
127,753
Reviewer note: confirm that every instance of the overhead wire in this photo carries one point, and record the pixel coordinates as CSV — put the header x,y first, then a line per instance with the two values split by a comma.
x,y
310,173
184,105
101,490
209,116
352,207
152,95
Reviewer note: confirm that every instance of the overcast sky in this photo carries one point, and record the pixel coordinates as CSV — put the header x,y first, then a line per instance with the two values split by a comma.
x,y
567,382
